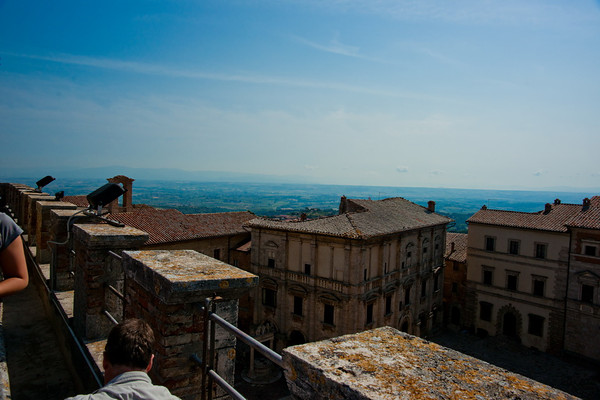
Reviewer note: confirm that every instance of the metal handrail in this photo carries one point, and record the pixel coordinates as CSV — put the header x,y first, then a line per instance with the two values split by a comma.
x,y
249,340
208,351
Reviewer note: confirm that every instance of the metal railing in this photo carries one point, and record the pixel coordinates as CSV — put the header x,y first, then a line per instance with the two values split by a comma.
x,y
210,376
114,291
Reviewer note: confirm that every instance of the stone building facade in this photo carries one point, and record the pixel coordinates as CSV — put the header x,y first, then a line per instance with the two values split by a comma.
x,y
520,265
377,263
455,278
582,323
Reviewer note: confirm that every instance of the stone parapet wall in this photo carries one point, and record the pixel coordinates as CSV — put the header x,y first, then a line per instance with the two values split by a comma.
x,y
168,290
385,363
92,244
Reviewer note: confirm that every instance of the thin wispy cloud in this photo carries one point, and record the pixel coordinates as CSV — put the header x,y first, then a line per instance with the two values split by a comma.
x,y
173,72
336,47
509,12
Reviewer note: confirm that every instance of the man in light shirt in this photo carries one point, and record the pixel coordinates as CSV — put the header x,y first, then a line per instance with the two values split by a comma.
x,y
127,359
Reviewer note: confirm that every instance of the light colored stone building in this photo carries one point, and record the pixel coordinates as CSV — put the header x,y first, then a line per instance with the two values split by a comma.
x,y
377,263
520,265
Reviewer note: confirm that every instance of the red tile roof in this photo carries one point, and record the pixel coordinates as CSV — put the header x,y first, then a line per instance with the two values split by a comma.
x,y
555,218
588,217
167,226
369,218
459,240
79,201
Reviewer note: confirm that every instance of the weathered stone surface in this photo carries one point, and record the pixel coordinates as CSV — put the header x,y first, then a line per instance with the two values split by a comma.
x,y
177,276
388,364
107,236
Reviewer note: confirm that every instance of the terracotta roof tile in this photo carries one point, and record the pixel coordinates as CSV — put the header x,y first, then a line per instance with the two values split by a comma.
x,y
459,254
555,218
79,201
374,218
588,217
167,226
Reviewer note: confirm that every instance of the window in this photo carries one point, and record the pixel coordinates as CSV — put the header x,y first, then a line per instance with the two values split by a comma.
x,y
536,325
388,304
423,288
407,295
369,313
539,286
454,287
490,243
587,293
407,263
436,283
540,250
485,311
307,269
488,276
271,263
269,297
512,280
217,254
385,268
365,274
328,311
590,250
298,302
513,247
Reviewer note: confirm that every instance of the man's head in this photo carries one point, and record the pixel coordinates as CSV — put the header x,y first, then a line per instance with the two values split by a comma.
x,y
128,348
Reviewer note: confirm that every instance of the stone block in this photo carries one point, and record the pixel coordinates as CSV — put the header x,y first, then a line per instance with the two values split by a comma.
x,y
186,276
385,363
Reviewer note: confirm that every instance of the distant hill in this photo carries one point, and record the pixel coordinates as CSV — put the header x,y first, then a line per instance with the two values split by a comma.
x,y
291,199
160,174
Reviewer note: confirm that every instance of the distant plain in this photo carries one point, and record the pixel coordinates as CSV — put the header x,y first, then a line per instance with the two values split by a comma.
x,y
290,200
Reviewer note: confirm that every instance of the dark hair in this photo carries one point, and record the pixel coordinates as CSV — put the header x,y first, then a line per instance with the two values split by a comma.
x,y
130,344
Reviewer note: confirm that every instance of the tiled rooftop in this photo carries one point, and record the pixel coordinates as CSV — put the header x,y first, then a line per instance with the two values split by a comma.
x,y
555,219
459,254
168,225
372,218
79,201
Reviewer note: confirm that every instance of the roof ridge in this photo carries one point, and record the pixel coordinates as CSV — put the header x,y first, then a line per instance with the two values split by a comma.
x,y
358,231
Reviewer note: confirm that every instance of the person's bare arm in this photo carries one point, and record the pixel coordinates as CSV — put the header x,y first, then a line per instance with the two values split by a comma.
x,y
14,268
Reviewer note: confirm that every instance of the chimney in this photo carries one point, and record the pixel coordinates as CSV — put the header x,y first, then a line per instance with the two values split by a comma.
x,y
431,206
547,208
586,203
303,217
343,205
556,202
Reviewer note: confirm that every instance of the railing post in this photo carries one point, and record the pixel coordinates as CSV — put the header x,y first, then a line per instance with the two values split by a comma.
x,y
92,244
168,289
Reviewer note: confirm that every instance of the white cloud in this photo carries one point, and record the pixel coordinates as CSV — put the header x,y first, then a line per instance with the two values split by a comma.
x,y
402,169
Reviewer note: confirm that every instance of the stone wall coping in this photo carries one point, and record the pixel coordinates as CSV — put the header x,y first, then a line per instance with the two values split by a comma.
x,y
385,363
184,276
55,204
38,196
104,235
65,213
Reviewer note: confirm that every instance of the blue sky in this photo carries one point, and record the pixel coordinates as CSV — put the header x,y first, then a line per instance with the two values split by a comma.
x,y
465,94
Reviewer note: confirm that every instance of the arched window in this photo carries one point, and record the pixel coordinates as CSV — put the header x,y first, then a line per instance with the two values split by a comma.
x,y
408,255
